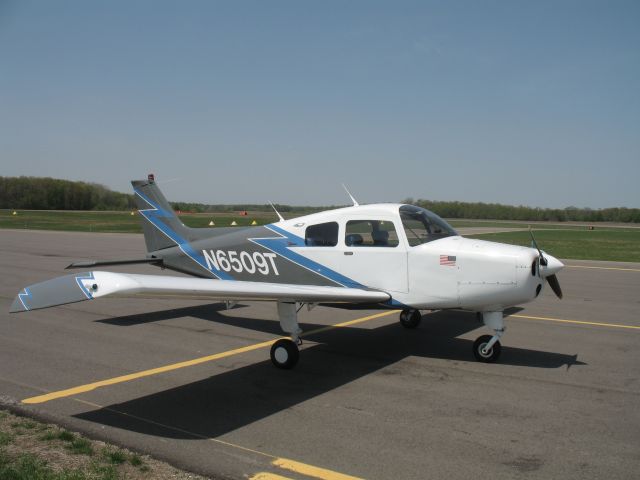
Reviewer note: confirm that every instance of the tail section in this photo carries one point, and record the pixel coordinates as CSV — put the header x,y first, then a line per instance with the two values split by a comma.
x,y
161,226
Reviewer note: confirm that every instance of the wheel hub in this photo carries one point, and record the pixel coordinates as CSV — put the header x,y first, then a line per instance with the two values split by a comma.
x,y
484,352
281,354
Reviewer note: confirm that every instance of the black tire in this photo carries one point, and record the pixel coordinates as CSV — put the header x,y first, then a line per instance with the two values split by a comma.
x,y
410,318
285,354
489,357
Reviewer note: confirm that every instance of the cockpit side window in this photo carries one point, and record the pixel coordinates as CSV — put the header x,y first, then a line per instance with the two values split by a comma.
x,y
422,226
370,233
321,235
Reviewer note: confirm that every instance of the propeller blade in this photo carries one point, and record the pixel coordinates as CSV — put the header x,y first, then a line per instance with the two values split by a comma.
x,y
555,285
543,261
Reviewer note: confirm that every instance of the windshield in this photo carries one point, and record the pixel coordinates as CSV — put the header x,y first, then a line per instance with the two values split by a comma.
x,y
422,226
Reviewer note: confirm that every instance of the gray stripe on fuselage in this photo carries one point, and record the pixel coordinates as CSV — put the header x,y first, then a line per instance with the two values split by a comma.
x,y
239,241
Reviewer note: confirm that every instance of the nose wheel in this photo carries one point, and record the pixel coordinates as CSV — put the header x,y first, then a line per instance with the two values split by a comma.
x,y
484,354
285,353
410,318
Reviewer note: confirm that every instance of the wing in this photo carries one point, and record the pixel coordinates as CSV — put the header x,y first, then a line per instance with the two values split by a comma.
x,y
90,285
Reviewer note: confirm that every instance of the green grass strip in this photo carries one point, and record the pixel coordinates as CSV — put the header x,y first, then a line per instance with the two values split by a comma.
x,y
607,245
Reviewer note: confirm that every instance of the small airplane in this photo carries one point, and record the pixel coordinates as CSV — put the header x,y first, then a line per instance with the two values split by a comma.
x,y
379,256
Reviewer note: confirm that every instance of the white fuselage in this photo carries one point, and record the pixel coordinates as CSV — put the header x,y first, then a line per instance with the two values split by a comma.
x,y
476,275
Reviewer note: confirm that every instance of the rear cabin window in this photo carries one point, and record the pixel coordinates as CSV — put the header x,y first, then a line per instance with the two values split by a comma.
x,y
370,233
321,235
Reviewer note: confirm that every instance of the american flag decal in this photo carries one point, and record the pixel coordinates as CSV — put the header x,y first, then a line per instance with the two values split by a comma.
x,y
448,260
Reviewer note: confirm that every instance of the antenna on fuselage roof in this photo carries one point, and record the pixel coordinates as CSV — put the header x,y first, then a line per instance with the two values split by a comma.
x,y
355,202
277,212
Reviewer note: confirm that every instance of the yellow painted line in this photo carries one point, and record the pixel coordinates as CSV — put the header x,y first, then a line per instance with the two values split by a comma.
x,y
605,268
268,476
310,470
579,322
188,363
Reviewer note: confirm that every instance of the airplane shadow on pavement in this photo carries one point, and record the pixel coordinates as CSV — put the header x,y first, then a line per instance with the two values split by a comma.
x,y
222,403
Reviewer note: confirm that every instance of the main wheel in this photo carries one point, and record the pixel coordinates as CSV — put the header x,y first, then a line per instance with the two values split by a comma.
x,y
284,353
410,318
489,356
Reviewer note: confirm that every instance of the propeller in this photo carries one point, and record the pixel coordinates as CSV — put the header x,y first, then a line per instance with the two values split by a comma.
x,y
550,270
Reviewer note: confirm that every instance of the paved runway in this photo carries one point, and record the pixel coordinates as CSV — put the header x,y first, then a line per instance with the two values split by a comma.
x,y
368,400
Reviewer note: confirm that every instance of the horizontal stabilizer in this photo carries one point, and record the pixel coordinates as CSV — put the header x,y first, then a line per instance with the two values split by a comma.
x,y
90,285
104,263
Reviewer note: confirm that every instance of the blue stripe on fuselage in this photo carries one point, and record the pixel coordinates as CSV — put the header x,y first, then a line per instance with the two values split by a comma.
x,y
279,245
282,247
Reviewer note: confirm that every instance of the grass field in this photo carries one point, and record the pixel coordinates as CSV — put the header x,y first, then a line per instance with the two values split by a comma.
x,y
458,223
115,222
563,241
611,245
31,450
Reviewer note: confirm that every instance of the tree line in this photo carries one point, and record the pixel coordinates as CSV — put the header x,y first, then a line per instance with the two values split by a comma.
x,y
496,211
38,193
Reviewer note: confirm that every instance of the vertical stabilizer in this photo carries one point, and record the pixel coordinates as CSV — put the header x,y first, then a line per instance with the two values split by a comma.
x,y
161,226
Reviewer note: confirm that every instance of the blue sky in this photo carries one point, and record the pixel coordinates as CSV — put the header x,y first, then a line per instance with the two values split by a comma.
x,y
532,103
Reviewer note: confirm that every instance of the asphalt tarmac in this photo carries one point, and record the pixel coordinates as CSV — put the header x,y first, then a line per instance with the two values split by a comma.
x,y
367,400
